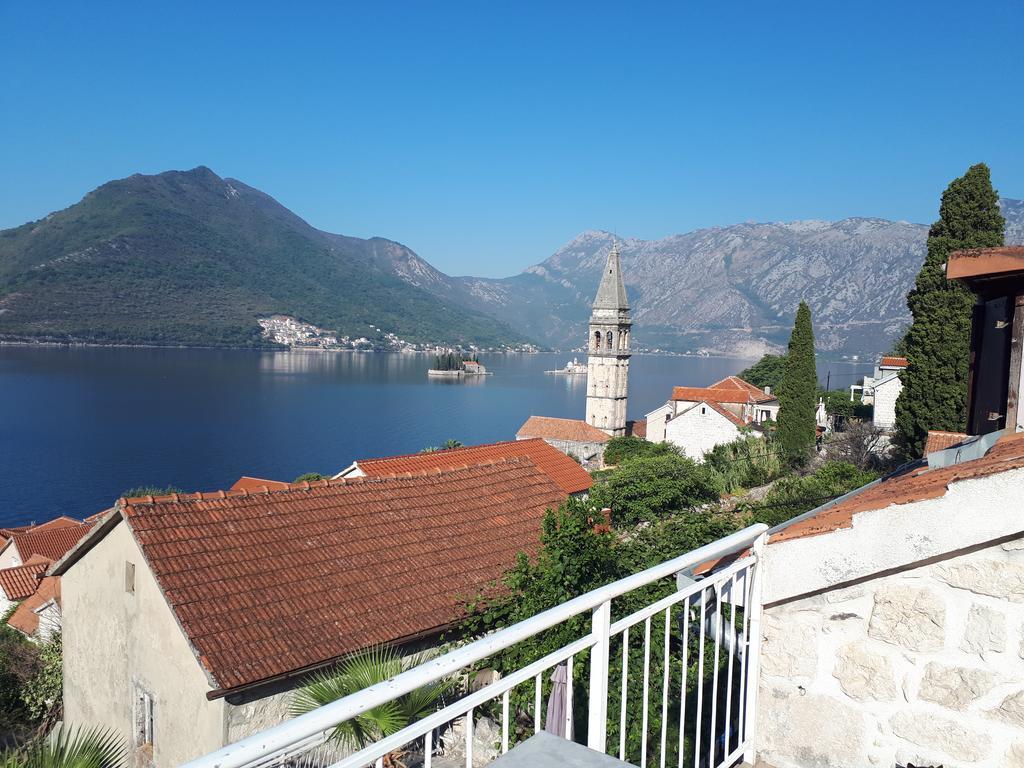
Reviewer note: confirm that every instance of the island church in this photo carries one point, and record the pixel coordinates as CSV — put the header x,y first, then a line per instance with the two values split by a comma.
x,y
607,378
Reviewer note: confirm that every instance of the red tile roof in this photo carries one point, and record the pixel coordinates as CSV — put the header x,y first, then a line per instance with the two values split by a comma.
x,y
731,389
255,484
50,542
23,580
272,583
637,428
571,430
917,485
568,474
894,362
940,441
25,619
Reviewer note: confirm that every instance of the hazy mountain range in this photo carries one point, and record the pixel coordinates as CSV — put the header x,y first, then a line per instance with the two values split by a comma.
x,y
189,257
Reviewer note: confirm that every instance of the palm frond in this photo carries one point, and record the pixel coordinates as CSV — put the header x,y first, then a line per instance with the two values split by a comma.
x,y
70,748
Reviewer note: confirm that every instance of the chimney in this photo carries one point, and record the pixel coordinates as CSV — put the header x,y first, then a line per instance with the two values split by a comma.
x,y
767,390
996,277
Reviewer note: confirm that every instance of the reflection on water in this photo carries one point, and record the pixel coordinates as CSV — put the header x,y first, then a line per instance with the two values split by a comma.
x,y
80,425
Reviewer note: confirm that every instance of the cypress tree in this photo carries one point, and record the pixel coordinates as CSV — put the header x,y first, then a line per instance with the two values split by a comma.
x,y
798,392
937,345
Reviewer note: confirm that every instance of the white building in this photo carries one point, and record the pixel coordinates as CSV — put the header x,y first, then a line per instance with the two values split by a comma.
x,y
696,419
883,390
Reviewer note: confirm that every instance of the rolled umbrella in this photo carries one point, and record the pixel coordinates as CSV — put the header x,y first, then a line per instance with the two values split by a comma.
x,y
557,716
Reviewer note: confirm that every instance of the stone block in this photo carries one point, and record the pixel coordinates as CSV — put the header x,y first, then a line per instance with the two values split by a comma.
x,y
1011,710
789,648
912,618
997,578
813,731
954,687
939,734
864,675
1015,755
985,631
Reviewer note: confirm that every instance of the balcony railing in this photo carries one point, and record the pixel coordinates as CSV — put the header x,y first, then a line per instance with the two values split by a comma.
x,y
706,696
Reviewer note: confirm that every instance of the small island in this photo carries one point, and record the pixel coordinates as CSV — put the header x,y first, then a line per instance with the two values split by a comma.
x,y
572,368
455,365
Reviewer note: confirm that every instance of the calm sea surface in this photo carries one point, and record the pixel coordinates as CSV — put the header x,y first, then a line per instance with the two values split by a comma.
x,y
79,426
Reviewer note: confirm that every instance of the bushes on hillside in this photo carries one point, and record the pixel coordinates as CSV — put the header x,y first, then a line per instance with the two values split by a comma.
x,y
653,487
618,449
745,463
792,496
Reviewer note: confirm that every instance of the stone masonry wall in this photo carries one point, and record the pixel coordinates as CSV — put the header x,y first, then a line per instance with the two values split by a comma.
x,y
924,666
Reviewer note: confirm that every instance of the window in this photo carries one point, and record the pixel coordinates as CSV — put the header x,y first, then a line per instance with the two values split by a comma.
x,y
610,335
703,410
129,577
144,722
597,340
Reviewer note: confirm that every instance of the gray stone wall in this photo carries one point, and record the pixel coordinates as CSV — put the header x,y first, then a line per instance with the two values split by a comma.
x,y
923,666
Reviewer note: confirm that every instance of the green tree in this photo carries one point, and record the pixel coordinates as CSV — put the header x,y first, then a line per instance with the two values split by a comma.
x,y
649,488
308,477
938,342
149,490
359,671
450,444
618,449
798,392
792,496
746,462
766,372
69,748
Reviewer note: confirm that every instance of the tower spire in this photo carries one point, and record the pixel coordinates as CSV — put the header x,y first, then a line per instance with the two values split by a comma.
x,y
611,293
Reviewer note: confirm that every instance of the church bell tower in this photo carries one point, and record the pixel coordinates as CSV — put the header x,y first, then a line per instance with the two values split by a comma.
x,y
608,347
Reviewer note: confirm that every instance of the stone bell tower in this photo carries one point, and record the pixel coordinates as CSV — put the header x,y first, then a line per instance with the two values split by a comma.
x,y
608,347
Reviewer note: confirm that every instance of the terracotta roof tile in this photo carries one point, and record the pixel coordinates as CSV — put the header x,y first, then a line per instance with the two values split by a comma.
x,y
894,362
916,485
727,413
25,619
573,430
940,441
271,583
569,475
50,542
257,484
23,580
731,389
637,428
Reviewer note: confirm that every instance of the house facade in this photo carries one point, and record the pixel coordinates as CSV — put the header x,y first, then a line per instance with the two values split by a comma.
x,y
188,620
882,390
696,419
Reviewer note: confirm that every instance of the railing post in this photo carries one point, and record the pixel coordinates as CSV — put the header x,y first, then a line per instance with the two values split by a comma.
x,y
597,723
754,652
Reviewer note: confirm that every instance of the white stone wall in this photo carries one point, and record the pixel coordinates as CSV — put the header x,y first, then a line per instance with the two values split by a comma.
x,y
700,429
923,666
116,642
656,422
9,556
607,390
885,404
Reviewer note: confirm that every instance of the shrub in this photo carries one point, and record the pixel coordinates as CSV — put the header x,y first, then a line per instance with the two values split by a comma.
x,y
792,496
744,463
653,487
618,449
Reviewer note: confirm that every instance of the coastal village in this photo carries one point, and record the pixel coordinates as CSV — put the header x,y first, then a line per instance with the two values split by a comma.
x,y
879,627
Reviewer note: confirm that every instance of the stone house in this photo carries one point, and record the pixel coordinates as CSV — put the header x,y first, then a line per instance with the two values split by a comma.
x,y
50,540
21,581
883,390
573,437
696,419
189,619
565,472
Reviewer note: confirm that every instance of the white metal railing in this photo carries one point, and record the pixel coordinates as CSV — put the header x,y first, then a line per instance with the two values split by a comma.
x,y
712,731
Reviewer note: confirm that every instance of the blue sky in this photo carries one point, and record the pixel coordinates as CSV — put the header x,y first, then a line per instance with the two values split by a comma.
x,y
484,135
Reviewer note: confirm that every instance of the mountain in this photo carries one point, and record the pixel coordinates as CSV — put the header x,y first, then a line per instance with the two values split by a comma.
x,y
726,289
188,257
